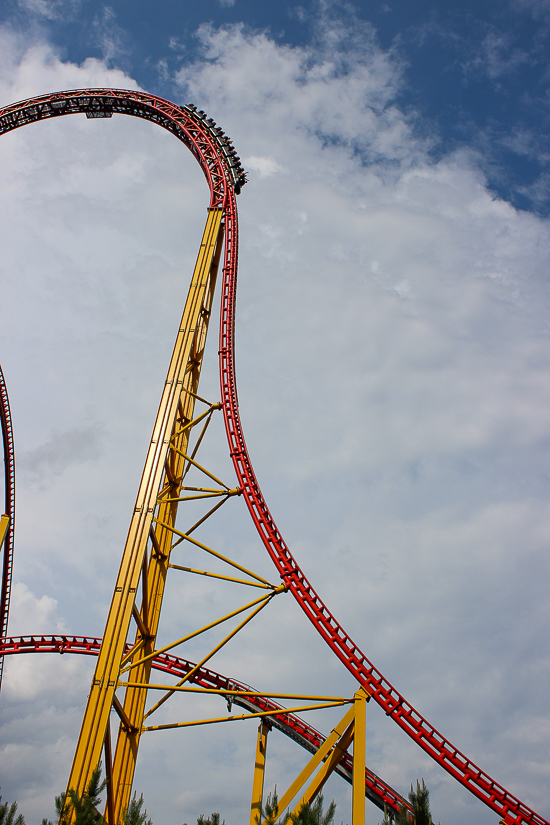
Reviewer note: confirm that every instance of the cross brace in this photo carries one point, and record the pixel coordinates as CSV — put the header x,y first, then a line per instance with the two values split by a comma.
x,y
351,728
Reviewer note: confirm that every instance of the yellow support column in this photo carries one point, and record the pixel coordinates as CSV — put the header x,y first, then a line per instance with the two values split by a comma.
x,y
259,772
326,770
316,759
359,757
162,465
4,524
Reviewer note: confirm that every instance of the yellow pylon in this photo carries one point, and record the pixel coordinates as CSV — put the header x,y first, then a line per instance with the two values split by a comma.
x,y
351,728
163,470
259,773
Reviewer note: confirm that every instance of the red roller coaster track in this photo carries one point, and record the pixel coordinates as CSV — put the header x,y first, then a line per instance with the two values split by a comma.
x,y
9,509
225,177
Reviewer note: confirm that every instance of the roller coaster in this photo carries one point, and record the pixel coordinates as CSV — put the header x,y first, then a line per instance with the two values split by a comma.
x,y
126,658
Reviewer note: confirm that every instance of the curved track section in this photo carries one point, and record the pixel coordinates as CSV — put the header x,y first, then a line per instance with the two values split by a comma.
x,y
208,143
510,809
291,725
9,510
225,177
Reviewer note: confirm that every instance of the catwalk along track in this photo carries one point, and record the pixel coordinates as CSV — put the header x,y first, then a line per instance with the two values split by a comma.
x,y
225,176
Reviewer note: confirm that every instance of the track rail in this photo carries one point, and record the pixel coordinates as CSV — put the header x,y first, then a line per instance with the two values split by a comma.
x,y
225,177
9,509
208,143
507,806
378,791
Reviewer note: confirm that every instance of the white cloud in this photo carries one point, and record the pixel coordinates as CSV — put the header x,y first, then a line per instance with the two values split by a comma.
x,y
61,451
29,614
51,9
111,38
392,350
497,56
265,167
538,8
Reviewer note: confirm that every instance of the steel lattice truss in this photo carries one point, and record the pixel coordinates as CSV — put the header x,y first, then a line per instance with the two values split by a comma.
x,y
291,725
225,176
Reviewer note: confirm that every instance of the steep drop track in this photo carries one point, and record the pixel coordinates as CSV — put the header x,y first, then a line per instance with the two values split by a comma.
x,y
225,177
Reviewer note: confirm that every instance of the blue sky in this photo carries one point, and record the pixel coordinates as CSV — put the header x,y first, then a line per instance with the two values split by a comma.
x,y
393,365
475,74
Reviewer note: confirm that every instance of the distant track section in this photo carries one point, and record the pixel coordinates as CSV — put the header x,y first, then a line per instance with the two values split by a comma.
x,y
9,510
291,725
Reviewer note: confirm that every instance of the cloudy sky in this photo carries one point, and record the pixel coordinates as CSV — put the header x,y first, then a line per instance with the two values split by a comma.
x,y
393,355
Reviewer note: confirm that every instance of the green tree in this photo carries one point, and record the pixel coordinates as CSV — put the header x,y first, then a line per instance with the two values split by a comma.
x,y
419,800
133,815
270,813
404,817
311,813
387,817
83,808
214,819
9,815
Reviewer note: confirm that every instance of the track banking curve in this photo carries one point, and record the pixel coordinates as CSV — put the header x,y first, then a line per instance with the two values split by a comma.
x,y
225,177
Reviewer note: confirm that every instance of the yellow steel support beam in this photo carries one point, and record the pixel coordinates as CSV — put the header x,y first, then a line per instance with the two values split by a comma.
x,y
4,524
262,603
188,458
163,468
243,716
298,697
316,759
331,762
359,757
259,773
219,576
187,537
109,774
196,420
352,727
203,519
212,494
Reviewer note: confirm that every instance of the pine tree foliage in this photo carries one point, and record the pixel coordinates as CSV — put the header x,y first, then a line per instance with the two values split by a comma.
x,y
134,815
214,819
387,818
420,803
270,813
9,815
312,813
83,808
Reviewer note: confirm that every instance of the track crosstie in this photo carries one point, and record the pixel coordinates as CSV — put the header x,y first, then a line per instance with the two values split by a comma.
x,y
225,177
